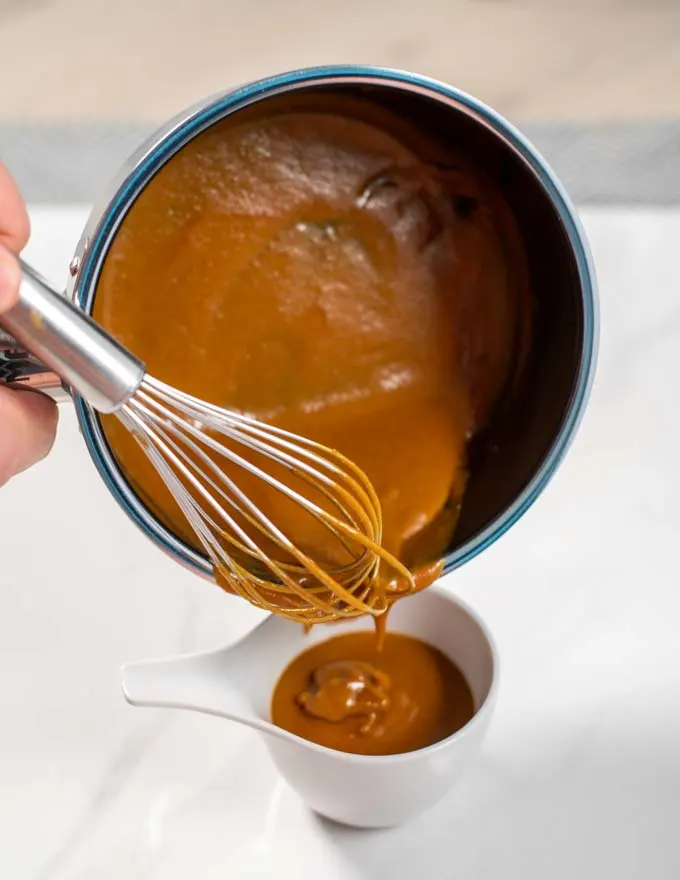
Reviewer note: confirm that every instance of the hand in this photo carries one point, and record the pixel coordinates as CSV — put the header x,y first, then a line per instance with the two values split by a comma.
x,y
28,420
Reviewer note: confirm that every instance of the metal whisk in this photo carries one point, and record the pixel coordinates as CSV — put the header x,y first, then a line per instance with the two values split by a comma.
x,y
201,451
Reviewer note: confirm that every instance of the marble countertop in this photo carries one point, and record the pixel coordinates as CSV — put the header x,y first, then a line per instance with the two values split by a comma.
x,y
580,774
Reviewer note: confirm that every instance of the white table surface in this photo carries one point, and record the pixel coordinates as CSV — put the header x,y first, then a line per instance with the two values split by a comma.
x,y
580,774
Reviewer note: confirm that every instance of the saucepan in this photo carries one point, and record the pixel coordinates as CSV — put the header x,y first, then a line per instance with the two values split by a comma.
x,y
516,457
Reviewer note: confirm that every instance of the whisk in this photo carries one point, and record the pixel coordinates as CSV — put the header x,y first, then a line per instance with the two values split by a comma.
x,y
200,450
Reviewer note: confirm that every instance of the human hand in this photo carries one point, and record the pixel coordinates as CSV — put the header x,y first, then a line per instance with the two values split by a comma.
x,y
28,420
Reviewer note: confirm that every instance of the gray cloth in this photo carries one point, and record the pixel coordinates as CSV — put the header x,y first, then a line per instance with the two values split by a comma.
x,y
631,163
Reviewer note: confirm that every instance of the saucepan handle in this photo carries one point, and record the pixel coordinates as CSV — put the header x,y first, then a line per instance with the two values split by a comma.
x,y
19,369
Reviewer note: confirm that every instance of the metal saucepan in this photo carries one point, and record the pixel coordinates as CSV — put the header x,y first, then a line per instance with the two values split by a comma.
x,y
516,457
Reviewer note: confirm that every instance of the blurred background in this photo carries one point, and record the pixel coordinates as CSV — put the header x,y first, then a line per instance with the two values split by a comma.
x,y
596,83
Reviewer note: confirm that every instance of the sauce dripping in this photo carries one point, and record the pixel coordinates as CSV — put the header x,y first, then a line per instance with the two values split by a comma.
x,y
343,689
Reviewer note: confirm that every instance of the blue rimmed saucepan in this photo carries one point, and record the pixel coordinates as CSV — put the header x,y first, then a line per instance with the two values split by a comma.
x,y
527,439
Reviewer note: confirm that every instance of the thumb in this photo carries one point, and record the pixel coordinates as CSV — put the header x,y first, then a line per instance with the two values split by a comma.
x,y
10,278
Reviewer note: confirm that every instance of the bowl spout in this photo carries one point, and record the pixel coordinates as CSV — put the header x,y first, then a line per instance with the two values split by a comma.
x,y
233,682
199,682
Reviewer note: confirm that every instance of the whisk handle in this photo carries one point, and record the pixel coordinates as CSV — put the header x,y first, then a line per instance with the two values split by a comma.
x,y
69,342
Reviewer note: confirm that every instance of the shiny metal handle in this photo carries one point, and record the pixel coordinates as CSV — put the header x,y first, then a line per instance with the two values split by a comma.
x,y
69,342
19,369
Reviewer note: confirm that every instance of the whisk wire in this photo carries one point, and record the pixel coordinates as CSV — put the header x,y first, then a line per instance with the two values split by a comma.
x,y
197,517
176,430
302,471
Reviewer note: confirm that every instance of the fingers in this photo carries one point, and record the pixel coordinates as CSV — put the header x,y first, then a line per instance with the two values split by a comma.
x,y
10,276
14,225
14,231
28,420
28,423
